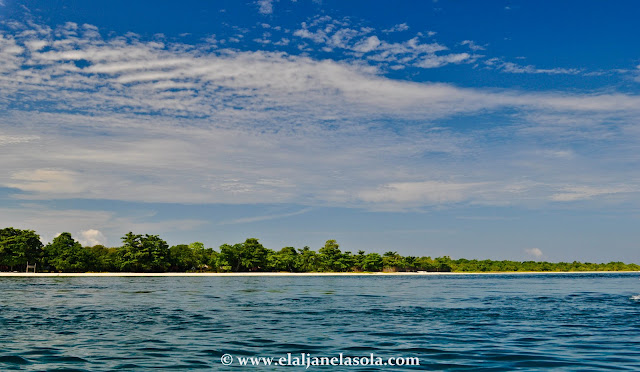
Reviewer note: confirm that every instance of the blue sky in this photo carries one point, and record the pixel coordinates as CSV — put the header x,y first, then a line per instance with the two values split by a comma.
x,y
502,129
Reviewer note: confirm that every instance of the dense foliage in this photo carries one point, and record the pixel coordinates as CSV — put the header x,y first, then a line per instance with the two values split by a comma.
x,y
19,247
149,253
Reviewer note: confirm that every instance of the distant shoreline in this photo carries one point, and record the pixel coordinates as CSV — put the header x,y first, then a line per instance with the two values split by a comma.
x,y
259,274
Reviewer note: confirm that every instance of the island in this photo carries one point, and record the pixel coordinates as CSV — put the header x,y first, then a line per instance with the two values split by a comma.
x,y
22,251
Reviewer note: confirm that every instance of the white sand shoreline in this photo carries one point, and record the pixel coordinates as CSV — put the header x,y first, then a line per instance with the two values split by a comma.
x,y
261,274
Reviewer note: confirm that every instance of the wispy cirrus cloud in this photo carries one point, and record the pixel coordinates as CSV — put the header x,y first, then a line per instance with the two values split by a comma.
x,y
514,68
574,193
636,74
174,79
402,195
265,217
46,181
123,118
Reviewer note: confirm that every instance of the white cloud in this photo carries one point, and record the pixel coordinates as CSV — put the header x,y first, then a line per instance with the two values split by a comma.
x,y
575,193
8,139
48,222
265,6
514,68
421,193
91,237
49,181
433,61
534,252
367,45
160,122
472,45
340,34
397,28
264,218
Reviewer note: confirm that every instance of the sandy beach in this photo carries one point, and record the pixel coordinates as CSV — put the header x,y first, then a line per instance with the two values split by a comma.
x,y
16,274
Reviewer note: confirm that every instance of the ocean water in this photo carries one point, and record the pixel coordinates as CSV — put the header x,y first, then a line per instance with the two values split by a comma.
x,y
577,322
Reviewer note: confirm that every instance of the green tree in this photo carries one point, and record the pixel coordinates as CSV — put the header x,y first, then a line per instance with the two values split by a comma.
x,y
358,260
67,255
247,256
143,253
211,263
285,259
346,262
17,247
229,258
372,262
425,264
392,261
330,255
103,258
409,263
253,255
443,264
308,260
182,258
202,255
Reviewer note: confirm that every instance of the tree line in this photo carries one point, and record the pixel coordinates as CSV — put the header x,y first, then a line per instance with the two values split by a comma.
x,y
150,253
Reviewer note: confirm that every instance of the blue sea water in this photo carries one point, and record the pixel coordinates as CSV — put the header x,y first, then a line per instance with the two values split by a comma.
x,y
585,322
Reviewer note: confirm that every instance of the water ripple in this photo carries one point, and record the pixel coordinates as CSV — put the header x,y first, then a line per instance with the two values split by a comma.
x,y
479,323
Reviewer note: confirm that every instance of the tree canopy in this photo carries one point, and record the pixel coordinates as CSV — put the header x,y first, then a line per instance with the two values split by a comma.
x,y
150,253
18,247
143,253
67,255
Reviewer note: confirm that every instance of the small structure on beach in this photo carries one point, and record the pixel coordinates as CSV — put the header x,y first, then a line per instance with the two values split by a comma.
x,y
31,267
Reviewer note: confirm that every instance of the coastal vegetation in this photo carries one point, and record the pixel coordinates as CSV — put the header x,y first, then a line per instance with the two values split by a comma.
x,y
150,253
